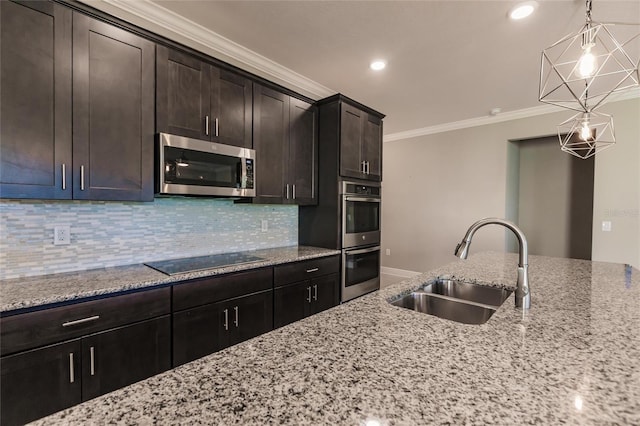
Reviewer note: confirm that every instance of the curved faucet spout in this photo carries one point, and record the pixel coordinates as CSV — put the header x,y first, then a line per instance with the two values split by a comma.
x,y
523,295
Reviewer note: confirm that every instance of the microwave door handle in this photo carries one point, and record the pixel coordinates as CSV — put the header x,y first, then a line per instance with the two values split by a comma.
x,y
241,174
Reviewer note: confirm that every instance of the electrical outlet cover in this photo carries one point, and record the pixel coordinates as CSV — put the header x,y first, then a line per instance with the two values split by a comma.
x,y
61,235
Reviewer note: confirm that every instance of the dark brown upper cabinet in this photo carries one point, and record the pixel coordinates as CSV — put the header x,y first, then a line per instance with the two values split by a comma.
x,y
285,140
77,122
113,104
198,100
35,124
360,144
303,152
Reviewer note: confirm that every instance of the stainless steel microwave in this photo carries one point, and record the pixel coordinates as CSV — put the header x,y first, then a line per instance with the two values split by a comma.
x,y
186,166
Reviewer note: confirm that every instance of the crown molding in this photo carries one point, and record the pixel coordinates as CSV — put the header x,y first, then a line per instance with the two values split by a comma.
x,y
205,40
506,116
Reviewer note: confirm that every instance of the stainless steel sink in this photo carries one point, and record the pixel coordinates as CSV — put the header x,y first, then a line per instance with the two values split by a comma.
x,y
455,300
471,292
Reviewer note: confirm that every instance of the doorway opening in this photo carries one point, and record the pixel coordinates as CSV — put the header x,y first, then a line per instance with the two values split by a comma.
x,y
550,197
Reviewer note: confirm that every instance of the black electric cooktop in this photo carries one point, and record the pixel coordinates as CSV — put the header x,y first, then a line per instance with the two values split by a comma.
x,y
201,263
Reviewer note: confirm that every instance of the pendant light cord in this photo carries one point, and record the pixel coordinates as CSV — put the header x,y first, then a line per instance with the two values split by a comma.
x,y
588,14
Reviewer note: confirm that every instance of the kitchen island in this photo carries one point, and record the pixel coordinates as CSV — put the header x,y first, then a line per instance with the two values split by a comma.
x,y
573,358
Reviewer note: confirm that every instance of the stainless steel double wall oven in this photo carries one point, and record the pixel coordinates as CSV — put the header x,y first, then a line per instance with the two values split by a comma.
x,y
360,238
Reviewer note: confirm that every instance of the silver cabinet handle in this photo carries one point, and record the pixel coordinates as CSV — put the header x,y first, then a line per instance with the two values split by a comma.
x,y
287,191
81,178
64,176
216,124
80,321
92,361
294,191
72,375
206,125
313,270
309,296
226,319
315,292
235,308
368,168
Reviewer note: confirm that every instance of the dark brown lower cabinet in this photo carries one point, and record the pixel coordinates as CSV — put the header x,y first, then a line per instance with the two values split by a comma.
x,y
40,382
206,329
299,300
117,358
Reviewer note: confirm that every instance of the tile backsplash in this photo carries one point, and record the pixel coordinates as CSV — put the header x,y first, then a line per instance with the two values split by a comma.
x,y
107,234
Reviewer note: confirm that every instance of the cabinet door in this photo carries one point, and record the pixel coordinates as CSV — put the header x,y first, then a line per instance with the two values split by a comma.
x,y
291,303
35,124
248,317
351,133
113,111
116,358
40,382
231,108
372,147
183,94
270,140
196,333
303,152
324,292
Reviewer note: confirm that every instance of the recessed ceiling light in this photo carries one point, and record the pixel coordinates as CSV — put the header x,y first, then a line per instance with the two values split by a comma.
x,y
522,10
378,65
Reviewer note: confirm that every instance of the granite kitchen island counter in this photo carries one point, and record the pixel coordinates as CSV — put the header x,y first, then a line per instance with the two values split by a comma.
x,y
573,358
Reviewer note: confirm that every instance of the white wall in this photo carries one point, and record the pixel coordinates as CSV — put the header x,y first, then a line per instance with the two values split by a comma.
x,y
436,185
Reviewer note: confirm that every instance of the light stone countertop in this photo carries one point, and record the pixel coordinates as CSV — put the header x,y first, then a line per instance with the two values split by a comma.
x,y
19,294
573,358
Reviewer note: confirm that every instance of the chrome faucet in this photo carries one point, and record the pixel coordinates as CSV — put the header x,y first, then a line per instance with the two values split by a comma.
x,y
523,295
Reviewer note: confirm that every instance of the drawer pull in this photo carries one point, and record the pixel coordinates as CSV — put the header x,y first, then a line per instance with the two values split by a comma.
x,y
315,292
309,297
93,360
72,375
236,321
226,319
80,321
313,270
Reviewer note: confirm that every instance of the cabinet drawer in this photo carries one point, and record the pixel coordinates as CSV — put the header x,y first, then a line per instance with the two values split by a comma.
x,y
33,329
304,270
213,289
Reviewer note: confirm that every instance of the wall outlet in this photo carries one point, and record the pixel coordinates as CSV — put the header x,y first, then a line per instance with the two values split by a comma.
x,y
388,252
264,225
61,235
606,225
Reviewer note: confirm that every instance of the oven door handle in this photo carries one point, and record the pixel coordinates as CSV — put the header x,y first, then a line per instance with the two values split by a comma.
x,y
363,199
362,251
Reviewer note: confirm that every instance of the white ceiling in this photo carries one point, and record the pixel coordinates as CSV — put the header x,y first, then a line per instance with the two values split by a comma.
x,y
447,60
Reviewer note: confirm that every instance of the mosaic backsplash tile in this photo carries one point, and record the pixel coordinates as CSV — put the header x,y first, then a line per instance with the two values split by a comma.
x,y
107,234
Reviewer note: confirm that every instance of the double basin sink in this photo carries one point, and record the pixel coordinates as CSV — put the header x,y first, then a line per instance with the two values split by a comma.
x,y
455,300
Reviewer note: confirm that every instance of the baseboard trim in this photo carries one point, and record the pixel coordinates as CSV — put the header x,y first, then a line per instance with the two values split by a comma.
x,y
398,272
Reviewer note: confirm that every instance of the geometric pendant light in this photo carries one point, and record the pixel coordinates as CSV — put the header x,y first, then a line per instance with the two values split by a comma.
x,y
581,70
586,134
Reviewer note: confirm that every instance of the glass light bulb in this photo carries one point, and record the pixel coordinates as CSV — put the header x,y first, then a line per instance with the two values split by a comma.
x,y
585,131
587,64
